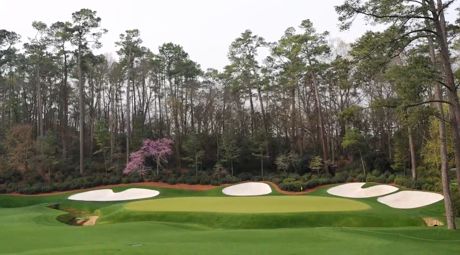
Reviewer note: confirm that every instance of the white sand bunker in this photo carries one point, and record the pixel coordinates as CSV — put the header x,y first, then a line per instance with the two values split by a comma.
x,y
355,190
104,195
410,199
248,189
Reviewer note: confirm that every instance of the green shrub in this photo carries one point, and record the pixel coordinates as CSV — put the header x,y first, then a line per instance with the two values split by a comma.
x,y
288,180
340,177
390,178
311,184
456,200
171,180
360,178
205,179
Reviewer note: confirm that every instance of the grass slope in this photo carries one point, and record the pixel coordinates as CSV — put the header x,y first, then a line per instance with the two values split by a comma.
x,y
29,227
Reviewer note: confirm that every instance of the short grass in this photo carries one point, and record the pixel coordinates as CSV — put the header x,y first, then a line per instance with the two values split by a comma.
x,y
266,204
28,226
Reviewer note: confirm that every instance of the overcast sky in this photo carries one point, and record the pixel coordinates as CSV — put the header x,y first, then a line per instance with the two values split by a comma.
x,y
205,28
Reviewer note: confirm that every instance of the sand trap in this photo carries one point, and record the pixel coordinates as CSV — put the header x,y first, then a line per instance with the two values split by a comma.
x,y
90,221
355,190
410,199
432,222
248,189
104,195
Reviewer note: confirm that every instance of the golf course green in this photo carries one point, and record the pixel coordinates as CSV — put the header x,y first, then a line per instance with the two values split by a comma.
x,y
270,204
207,222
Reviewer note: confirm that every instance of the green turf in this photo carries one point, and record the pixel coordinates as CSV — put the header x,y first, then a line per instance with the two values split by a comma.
x,y
266,204
28,226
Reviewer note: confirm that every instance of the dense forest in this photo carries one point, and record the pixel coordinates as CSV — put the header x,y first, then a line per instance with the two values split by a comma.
x,y
312,111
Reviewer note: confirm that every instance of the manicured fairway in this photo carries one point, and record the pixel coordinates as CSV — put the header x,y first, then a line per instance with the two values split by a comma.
x,y
268,204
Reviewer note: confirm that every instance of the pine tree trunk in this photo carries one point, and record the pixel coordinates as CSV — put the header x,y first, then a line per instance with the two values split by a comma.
x,y
82,111
252,111
363,165
454,106
448,205
322,132
413,161
128,110
65,110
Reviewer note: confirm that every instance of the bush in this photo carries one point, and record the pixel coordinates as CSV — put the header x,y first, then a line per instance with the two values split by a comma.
x,y
456,201
390,178
230,179
245,176
292,186
10,176
311,184
205,179
360,178
216,182
288,180
257,178
171,180
340,177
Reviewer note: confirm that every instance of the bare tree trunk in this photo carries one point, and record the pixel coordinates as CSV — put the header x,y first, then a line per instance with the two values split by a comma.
x,y
454,106
413,161
112,120
293,118
448,206
128,110
252,111
363,165
39,104
82,111
65,110
320,121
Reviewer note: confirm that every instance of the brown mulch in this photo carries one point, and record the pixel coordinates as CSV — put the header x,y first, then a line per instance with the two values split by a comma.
x,y
194,187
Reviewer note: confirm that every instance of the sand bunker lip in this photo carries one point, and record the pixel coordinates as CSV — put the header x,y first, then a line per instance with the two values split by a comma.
x,y
410,199
355,190
106,195
248,189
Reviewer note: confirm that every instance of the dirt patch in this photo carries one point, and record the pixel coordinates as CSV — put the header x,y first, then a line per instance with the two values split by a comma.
x,y
432,222
192,187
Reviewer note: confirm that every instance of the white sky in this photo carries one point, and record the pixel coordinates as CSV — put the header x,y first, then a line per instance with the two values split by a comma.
x,y
205,28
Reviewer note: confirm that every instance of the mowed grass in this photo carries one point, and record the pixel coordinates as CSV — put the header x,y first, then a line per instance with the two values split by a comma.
x,y
27,226
265,204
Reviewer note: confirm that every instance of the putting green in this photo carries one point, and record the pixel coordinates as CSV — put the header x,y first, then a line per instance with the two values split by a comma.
x,y
268,204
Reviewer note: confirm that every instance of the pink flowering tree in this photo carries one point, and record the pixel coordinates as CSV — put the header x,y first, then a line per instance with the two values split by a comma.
x,y
159,149
136,163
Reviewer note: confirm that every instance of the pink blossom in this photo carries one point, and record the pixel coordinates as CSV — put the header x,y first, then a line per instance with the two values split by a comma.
x,y
158,149
136,162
